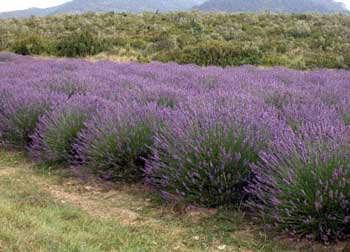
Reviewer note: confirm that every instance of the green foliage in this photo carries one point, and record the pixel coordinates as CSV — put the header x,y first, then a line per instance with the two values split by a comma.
x,y
211,169
202,38
346,118
22,125
165,101
163,42
60,137
30,45
328,61
347,58
300,29
220,53
80,44
316,202
119,155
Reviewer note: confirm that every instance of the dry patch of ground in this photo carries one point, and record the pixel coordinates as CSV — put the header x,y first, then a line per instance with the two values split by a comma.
x,y
6,171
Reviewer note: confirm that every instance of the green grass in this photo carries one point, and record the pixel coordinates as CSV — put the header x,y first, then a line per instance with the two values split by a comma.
x,y
44,209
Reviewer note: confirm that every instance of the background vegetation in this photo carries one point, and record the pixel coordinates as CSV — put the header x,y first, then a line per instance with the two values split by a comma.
x,y
297,41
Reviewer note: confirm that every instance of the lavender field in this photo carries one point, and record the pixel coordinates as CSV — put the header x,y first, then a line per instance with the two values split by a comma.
x,y
273,142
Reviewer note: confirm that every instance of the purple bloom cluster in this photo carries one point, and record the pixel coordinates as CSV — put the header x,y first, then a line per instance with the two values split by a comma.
x,y
275,140
21,112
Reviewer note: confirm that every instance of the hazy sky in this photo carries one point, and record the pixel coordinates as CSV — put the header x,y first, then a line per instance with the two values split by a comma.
x,y
347,3
7,5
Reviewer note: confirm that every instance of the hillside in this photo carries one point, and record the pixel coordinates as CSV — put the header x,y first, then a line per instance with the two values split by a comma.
x,y
295,41
82,6
290,6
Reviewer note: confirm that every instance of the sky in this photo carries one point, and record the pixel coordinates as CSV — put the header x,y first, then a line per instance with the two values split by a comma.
x,y
8,5
347,3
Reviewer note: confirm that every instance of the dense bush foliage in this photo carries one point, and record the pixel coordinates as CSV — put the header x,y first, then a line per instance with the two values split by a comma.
x,y
202,161
274,140
302,182
80,44
20,113
116,142
58,130
220,53
30,45
300,41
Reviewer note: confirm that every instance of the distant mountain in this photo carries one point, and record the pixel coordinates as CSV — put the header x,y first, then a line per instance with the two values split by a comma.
x,y
25,13
285,6
81,6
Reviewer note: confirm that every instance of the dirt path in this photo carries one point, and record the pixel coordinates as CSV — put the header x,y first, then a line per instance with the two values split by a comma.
x,y
6,171
91,205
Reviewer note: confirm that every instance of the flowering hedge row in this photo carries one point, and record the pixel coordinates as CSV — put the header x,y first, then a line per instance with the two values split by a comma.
x,y
274,141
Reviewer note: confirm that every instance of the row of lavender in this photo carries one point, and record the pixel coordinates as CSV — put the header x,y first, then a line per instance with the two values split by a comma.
x,y
274,141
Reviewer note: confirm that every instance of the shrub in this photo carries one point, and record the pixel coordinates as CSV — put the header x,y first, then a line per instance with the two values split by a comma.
x,y
215,53
303,187
163,41
20,113
327,61
347,58
117,141
30,45
300,29
346,118
275,60
202,159
80,44
57,131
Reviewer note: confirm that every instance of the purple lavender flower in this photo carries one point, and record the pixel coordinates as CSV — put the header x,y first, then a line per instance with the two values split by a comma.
x,y
210,136
57,131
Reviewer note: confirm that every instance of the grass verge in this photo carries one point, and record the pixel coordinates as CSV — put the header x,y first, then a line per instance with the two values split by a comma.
x,y
45,209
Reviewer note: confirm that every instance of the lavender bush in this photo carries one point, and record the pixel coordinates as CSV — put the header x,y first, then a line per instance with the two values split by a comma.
x,y
275,138
57,131
117,141
21,110
204,155
302,184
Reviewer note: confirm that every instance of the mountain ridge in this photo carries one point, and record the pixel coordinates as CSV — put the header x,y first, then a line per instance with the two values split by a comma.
x,y
82,6
136,6
279,6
